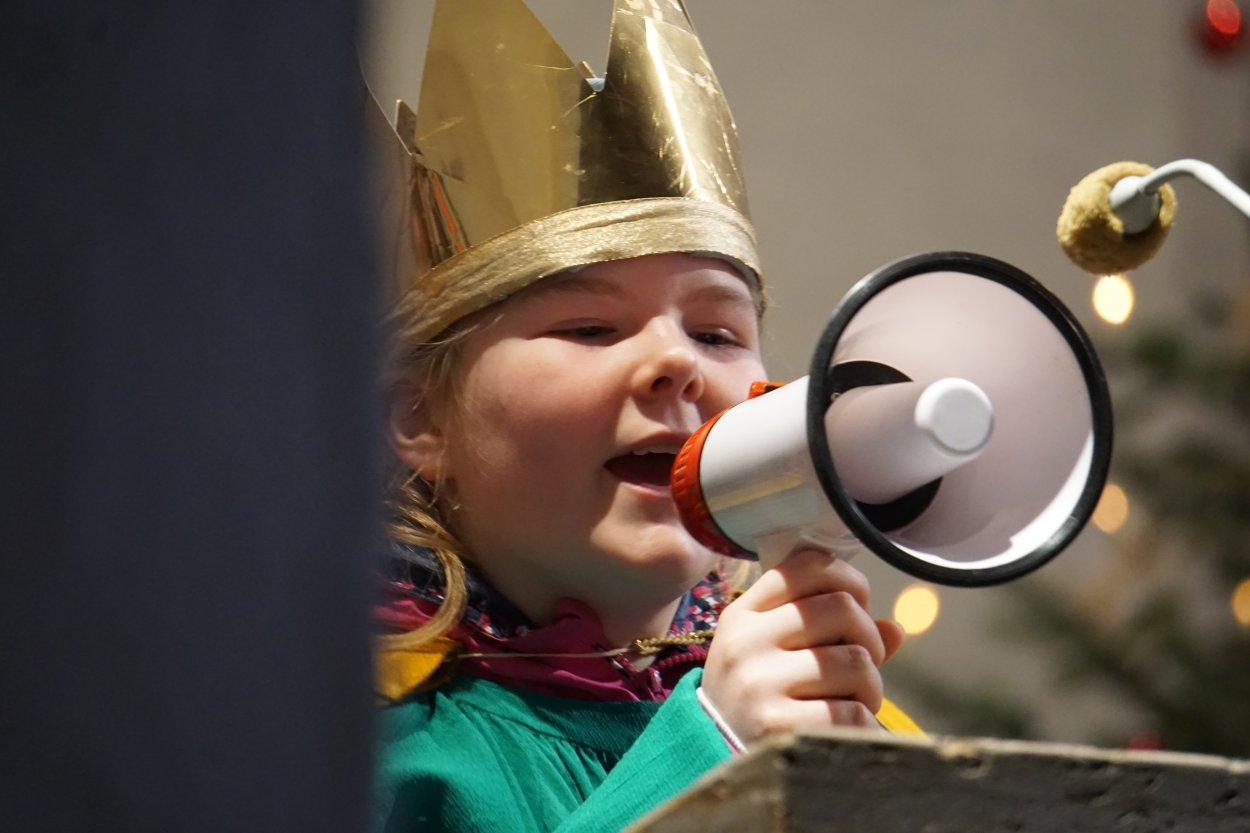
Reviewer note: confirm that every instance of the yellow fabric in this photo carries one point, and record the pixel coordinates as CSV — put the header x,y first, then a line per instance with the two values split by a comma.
x,y
895,720
399,671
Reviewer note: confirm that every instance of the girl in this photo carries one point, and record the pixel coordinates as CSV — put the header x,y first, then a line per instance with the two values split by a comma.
x,y
546,653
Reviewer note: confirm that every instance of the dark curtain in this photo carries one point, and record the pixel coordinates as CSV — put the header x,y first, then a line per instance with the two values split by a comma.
x,y
187,301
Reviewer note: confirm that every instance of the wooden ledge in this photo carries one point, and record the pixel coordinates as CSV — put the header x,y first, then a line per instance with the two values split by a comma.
x,y
853,781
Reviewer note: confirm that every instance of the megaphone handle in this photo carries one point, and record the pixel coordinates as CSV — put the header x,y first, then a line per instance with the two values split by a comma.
x,y
773,549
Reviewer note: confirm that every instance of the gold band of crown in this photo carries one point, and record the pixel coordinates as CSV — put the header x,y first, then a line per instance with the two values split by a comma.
x,y
518,164
493,270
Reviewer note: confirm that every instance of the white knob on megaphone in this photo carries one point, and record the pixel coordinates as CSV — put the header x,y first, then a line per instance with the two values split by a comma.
x,y
891,439
956,422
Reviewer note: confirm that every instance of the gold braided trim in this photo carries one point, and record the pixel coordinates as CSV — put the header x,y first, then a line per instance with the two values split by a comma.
x,y
500,266
655,644
641,647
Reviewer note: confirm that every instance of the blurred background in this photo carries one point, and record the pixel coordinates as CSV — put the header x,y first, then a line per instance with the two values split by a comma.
x,y
871,131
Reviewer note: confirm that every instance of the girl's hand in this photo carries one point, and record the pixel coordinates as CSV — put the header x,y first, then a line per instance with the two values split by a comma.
x,y
799,650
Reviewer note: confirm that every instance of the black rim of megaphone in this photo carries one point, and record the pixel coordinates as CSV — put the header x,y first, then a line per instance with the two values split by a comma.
x,y
820,393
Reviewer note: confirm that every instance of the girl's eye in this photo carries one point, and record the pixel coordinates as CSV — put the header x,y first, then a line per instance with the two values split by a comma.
x,y
715,338
586,331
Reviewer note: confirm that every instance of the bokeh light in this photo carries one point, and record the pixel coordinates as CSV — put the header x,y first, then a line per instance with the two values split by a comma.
x,y
1113,298
1222,25
1241,603
916,608
1224,17
1112,510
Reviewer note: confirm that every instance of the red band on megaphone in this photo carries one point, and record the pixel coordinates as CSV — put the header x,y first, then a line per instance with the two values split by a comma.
x,y
762,387
688,495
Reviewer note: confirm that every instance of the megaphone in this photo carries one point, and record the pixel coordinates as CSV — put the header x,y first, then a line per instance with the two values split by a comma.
x,y
955,421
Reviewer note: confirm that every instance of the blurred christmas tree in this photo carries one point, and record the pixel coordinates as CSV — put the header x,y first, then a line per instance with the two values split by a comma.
x,y
1164,627
1176,643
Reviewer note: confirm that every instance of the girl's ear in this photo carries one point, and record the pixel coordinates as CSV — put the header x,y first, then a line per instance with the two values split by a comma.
x,y
415,437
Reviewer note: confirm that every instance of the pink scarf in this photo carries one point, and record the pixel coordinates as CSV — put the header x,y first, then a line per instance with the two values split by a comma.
x,y
412,590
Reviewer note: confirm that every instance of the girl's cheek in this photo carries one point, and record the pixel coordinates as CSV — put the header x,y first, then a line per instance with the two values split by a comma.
x,y
523,409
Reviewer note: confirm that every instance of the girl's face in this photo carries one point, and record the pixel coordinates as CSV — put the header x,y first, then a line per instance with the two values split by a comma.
x,y
572,404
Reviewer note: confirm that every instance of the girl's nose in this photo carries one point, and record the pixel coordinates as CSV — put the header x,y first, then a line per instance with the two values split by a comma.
x,y
670,366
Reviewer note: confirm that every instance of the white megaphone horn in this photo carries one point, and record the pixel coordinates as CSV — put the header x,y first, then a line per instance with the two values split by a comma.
x,y
955,421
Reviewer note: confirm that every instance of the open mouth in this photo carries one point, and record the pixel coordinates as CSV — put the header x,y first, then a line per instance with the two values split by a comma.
x,y
651,470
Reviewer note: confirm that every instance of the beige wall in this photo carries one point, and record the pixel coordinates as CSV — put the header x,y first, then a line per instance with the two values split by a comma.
x,y
873,129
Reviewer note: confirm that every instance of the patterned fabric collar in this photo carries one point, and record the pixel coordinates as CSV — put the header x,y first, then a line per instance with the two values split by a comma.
x,y
564,657
416,571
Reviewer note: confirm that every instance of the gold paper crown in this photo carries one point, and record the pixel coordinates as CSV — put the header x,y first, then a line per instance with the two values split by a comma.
x,y
520,164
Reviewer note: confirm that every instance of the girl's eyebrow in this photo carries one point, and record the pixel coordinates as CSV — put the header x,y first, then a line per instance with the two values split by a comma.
x,y
718,293
579,285
575,284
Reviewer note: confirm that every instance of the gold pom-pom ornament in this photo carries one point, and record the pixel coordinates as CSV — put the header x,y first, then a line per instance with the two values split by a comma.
x,y
1096,238
1116,218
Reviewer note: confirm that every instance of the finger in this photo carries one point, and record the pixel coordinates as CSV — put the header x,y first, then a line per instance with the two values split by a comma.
x,y
851,713
797,715
806,573
828,619
892,636
843,672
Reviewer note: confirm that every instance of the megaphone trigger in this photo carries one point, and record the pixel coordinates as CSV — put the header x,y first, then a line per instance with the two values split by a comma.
x,y
777,547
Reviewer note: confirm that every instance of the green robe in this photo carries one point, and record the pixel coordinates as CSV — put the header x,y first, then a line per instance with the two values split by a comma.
x,y
475,755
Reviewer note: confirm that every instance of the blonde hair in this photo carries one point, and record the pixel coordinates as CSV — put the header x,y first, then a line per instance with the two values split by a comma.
x,y
422,374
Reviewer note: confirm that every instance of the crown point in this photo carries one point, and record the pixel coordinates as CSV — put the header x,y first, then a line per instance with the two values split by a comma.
x,y
672,12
